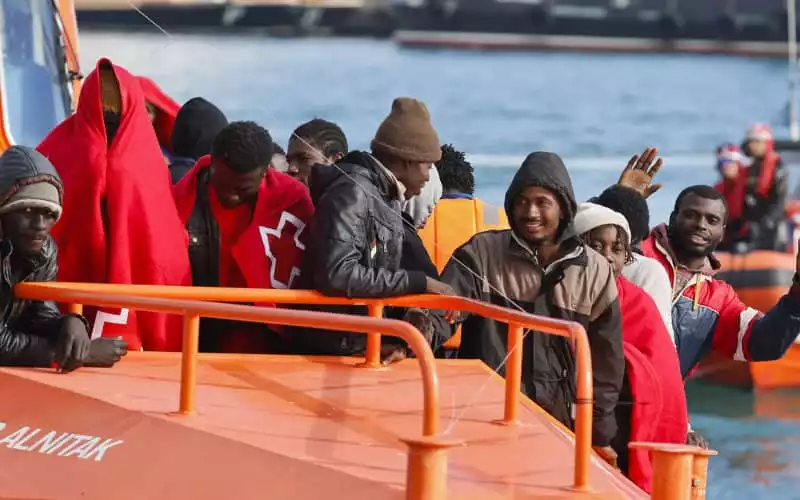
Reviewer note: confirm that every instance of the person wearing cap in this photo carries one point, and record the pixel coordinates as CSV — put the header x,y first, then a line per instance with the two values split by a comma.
x,y
355,238
539,267
733,173
766,190
652,404
35,333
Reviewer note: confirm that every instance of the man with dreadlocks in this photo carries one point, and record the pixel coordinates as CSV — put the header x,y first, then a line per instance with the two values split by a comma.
x,y
457,216
317,142
538,267
456,174
246,225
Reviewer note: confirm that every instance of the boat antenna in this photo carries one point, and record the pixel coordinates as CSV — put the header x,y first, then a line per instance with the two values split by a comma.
x,y
791,19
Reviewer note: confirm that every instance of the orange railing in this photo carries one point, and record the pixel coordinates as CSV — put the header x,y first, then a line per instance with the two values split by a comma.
x,y
91,293
192,310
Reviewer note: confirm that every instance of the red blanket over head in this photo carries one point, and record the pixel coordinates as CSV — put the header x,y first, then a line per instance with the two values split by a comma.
x,y
659,408
119,224
167,110
270,250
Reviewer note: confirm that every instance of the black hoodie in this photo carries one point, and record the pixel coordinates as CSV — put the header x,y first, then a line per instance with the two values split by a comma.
x,y
496,267
354,245
196,126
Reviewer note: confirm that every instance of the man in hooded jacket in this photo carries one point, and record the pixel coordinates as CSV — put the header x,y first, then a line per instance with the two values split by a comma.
x,y
536,267
34,332
356,235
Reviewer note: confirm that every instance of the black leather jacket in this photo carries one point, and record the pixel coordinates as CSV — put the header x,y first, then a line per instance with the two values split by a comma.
x,y
355,243
29,327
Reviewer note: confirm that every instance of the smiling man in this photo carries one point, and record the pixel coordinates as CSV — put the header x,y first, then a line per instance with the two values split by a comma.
x,y
707,314
538,267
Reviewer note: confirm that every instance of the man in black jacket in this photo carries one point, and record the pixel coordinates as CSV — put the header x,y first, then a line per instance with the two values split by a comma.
x,y
356,235
537,267
35,333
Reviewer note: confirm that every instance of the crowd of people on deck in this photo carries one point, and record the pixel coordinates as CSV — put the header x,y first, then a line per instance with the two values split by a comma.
x,y
97,202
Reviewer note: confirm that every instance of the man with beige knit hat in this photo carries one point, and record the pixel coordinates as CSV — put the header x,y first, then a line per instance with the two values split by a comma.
x,y
355,238
35,333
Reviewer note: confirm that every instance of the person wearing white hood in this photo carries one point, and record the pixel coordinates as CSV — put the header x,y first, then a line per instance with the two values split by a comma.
x,y
420,207
415,257
644,272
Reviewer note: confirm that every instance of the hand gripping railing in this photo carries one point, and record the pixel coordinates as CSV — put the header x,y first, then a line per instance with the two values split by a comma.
x,y
75,293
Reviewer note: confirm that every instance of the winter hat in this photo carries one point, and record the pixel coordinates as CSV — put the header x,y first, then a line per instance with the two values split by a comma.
x,y
421,206
591,216
728,153
759,132
407,133
35,182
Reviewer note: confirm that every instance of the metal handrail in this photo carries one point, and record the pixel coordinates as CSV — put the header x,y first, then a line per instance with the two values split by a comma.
x,y
192,310
516,320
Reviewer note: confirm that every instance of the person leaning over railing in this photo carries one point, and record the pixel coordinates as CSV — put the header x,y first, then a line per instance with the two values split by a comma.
x,y
355,237
35,333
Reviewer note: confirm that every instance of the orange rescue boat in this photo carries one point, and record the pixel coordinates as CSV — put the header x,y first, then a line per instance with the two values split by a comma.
x,y
304,427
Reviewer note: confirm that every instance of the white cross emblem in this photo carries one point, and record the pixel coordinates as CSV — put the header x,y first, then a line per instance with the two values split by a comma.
x,y
277,232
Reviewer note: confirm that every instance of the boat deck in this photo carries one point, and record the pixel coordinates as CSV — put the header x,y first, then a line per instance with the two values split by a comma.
x,y
285,427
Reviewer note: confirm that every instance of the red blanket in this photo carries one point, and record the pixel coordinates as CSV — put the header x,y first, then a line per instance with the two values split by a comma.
x,y
269,251
659,409
119,224
167,110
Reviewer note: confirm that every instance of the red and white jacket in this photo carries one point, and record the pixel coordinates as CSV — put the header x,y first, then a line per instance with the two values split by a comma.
x,y
708,315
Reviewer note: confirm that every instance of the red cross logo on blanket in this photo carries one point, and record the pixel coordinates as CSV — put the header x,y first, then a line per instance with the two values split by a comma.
x,y
280,243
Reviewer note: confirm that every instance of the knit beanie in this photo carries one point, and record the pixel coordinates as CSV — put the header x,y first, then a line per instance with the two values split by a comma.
x,y
35,181
407,133
39,195
759,132
591,216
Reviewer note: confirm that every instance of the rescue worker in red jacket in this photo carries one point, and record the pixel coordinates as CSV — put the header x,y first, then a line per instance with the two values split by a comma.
x,y
765,191
732,186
